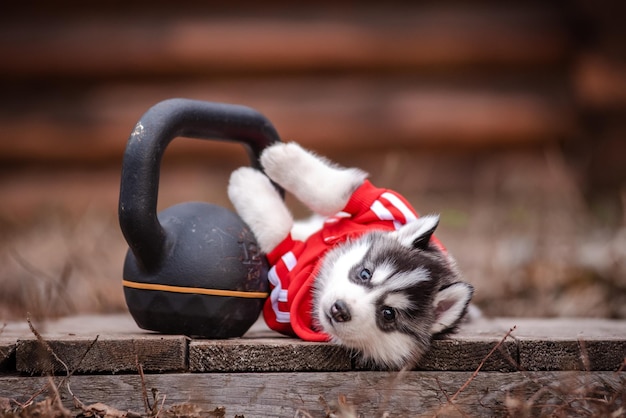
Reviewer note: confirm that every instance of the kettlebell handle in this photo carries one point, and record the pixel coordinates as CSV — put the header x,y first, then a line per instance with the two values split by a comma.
x,y
144,151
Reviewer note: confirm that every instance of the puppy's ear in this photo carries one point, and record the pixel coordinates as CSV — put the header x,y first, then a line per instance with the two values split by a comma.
x,y
417,234
450,306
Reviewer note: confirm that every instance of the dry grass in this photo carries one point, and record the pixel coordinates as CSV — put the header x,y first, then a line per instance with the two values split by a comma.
x,y
516,222
57,267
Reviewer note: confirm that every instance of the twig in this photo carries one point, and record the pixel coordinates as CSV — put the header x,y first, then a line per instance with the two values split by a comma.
x,y
302,414
448,398
30,400
56,399
158,412
155,402
144,391
482,363
67,378
45,344
442,389
69,373
327,409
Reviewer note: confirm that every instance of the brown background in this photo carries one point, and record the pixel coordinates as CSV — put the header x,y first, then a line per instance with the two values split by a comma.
x,y
508,118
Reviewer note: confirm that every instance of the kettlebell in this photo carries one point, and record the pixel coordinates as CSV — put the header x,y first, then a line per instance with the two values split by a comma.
x,y
194,268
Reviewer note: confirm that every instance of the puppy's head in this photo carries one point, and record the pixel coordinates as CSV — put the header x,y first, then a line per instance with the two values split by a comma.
x,y
386,294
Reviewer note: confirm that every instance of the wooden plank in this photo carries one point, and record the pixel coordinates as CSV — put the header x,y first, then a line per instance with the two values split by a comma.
x,y
9,334
569,344
327,115
371,393
95,344
107,355
7,356
571,355
465,354
367,38
260,350
534,344
266,355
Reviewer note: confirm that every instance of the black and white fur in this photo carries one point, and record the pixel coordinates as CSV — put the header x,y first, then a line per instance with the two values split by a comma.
x,y
385,294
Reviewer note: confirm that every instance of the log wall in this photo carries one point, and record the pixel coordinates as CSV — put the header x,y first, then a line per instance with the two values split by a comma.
x,y
446,75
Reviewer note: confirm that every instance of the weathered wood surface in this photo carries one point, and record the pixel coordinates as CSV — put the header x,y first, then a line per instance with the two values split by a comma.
x,y
107,353
264,374
534,344
371,393
7,355
264,355
570,344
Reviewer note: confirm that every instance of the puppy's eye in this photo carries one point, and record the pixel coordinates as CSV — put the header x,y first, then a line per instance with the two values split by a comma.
x,y
365,275
389,314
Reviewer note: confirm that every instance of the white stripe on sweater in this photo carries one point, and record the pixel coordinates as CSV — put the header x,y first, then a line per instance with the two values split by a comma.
x,y
278,295
408,214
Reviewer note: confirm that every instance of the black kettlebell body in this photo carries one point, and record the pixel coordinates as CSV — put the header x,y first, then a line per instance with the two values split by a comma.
x,y
194,268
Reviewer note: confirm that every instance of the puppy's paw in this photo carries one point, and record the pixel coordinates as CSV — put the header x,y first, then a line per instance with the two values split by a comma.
x,y
320,184
282,160
244,184
260,206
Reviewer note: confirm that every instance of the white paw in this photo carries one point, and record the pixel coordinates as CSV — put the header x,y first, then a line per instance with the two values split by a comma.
x,y
318,183
242,185
260,206
283,159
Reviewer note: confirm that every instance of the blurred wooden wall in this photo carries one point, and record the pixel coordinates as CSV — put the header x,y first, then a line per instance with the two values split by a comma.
x,y
598,75
75,76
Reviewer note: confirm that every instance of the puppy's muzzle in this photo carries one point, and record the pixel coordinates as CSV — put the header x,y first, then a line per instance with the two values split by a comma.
x,y
340,312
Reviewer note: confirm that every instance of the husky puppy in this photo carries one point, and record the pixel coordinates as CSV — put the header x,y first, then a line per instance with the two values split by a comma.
x,y
365,272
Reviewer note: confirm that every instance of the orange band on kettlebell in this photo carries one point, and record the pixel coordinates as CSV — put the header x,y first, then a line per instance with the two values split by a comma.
x,y
196,290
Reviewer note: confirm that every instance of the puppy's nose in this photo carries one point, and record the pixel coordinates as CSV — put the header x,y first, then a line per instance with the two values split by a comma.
x,y
340,311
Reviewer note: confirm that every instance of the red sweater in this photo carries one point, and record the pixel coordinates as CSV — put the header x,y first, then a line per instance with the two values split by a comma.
x,y
295,264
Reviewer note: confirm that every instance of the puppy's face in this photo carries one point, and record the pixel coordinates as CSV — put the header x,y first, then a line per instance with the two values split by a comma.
x,y
380,295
